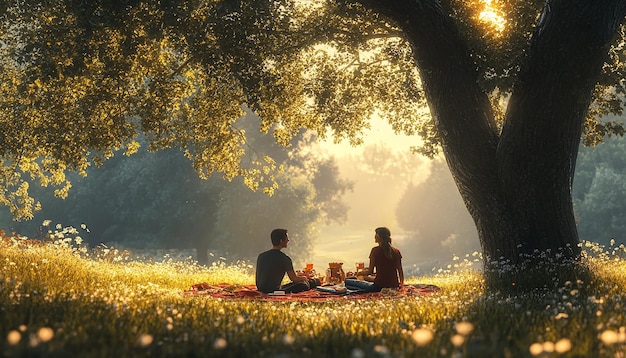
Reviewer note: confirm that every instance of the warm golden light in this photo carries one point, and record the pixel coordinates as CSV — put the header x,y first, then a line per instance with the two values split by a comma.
x,y
492,17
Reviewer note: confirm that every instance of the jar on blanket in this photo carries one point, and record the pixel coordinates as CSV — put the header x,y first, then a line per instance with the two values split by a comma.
x,y
335,273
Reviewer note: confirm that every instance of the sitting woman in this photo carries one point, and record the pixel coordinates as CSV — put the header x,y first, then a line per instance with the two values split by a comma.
x,y
385,264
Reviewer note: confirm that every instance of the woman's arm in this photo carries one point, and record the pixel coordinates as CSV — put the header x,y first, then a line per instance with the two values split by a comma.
x,y
400,273
368,270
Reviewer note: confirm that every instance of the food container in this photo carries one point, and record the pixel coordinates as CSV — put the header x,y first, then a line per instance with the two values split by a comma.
x,y
309,271
335,273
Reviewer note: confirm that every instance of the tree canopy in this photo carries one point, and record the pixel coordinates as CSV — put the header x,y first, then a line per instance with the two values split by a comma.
x,y
83,79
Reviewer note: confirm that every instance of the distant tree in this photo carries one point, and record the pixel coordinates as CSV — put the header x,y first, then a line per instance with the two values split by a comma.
x,y
380,174
245,218
600,192
433,214
310,192
330,188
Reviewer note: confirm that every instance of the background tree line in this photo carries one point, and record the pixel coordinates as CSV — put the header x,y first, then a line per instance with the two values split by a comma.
x,y
157,200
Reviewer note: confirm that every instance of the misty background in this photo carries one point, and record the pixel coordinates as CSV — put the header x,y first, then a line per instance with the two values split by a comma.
x,y
331,198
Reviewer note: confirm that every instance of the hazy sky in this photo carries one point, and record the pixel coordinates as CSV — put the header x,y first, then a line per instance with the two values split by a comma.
x,y
372,204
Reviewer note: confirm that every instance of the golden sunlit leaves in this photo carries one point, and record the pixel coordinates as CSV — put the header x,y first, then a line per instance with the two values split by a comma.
x,y
492,17
132,147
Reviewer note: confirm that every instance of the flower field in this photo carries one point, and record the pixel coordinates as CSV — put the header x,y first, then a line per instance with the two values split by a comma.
x,y
60,299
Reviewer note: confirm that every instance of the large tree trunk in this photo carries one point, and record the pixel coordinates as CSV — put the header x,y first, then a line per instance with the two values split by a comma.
x,y
545,116
517,185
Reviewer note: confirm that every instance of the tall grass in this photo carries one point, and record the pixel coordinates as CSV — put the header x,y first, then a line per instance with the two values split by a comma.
x,y
58,299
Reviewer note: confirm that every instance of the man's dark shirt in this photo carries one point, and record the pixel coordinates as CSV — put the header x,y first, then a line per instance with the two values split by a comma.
x,y
271,267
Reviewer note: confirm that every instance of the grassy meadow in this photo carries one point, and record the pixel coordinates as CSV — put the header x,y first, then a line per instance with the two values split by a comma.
x,y
59,299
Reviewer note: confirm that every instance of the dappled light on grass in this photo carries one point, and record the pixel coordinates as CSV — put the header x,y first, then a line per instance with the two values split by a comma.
x,y
57,297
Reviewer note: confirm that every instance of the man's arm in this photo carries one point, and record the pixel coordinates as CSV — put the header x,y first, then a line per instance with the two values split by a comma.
x,y
295,278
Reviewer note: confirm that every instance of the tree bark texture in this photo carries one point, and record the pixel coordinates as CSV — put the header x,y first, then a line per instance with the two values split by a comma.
x,y
515,184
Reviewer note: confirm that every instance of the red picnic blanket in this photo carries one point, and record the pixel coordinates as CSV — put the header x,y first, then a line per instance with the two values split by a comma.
x,y
225,290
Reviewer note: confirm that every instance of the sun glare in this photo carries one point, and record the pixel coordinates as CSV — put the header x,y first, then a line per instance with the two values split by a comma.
x,y
492,17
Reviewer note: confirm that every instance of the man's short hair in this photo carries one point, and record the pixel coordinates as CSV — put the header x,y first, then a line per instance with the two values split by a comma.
x,y
278,235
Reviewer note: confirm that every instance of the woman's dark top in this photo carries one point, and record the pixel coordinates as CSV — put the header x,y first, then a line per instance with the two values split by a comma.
x,y
386,272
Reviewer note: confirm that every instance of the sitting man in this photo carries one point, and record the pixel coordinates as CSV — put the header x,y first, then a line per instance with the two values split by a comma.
x,y
272,265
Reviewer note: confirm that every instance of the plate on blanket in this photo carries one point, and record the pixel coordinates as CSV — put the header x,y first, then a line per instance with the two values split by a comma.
x,y
336,290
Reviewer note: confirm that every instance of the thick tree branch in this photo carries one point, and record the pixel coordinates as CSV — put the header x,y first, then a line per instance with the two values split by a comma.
x,y
460,108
